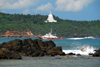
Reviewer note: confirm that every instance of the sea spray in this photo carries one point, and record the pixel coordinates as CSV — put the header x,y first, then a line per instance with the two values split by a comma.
x,y
87,50
80,38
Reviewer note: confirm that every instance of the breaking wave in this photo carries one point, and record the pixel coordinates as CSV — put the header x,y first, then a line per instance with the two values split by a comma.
x,y
90,37
85,50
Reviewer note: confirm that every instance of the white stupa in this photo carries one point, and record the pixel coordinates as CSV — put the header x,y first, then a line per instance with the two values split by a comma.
x,y
50,18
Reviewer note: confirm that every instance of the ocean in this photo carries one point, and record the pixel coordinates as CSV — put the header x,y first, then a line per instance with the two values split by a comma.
x,y
68,45
74,45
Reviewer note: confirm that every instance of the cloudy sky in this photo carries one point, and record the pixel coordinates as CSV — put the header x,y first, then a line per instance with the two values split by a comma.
x,y
65,9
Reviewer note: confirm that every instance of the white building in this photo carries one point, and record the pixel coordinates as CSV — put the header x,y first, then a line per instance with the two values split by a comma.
x,y
50,18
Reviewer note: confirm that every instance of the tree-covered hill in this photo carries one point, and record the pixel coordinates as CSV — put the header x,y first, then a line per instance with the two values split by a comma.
x,y
36,24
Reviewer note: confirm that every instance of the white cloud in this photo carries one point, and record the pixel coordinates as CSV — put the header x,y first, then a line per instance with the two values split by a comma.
x,y
16,4
71,5
46,7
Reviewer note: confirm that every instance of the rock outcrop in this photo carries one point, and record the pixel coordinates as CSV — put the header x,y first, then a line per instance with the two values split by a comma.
x,y
29,47
14,45
97,53
7,54
71,54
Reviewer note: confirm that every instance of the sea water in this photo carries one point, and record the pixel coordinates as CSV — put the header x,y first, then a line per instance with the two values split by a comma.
x,y
69,45
74,45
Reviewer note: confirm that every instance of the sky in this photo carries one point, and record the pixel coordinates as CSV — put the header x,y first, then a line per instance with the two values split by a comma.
x,y
65,9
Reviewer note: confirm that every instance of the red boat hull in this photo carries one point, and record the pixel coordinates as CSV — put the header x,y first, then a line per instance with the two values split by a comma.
x,y
50,38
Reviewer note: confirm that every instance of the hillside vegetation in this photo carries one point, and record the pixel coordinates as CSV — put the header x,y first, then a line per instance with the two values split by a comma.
x,y
36,24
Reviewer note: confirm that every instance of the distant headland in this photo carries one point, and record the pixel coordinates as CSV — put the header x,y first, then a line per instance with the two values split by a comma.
x,y
18,34
36,24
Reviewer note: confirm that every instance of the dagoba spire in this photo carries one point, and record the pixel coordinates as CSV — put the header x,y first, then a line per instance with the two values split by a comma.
x,y
50,12
50,18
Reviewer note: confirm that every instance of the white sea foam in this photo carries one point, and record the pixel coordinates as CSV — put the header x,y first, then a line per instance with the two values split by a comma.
x,y
86,51
75,38
79,38
90,37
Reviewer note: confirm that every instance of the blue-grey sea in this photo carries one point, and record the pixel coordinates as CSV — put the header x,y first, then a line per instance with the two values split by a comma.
x,y
68,44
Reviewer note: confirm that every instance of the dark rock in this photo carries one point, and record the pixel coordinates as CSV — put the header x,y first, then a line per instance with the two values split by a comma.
x,y
78,54
97,53
90,53
29,47
95,50
70,54
6,54
33,48
56,51
36,54
0,46
38,43
41,54
49,44
14,45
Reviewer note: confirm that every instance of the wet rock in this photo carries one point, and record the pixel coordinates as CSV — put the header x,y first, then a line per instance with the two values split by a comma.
x,y
39,43
33,48
41,54
29,47
97,53
14,45
49,44
70,54
90,53
78,54
0,46
56,51
6,54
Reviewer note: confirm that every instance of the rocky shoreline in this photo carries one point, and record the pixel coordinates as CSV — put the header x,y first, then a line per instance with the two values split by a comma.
x,y
33,48
28,47
17,36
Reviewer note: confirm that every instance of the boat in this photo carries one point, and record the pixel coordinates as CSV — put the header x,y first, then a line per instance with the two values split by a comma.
x,y
49,36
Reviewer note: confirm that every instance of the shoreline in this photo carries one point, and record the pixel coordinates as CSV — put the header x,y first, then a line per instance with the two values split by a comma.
x,y
17,36
34,36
